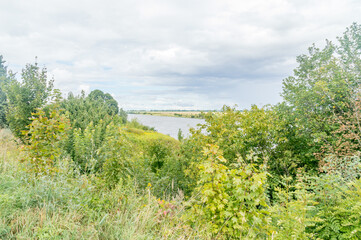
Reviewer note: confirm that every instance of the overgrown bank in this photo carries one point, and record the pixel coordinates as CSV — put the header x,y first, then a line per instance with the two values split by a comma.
x,y
78,169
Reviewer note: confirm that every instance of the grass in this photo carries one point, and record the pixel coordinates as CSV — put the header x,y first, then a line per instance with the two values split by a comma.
x,y
74,206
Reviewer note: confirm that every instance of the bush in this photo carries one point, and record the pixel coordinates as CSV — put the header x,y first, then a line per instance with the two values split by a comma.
x,y
44,139
291,212
231,200
86,145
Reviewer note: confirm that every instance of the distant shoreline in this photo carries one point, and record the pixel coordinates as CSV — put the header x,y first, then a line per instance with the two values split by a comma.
x,y
199,114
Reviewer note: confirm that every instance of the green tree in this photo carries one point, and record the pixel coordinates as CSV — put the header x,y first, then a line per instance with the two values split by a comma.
x,y
89,116
96,106
3,68
4,79
347,135
26,96
237,133
109,102
180,135
322,87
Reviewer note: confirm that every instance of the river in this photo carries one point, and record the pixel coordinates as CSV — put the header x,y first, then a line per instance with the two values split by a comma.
x,y
167,125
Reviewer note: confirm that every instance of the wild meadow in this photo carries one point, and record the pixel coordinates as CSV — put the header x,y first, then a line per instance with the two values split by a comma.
x,y
75,168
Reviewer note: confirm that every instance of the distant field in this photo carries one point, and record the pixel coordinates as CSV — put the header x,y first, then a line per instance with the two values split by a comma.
x,y
185,114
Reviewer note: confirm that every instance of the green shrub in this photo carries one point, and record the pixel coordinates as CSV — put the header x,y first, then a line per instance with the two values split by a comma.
x,y
44,139
337,207
86,145
118,155
291,212
231,200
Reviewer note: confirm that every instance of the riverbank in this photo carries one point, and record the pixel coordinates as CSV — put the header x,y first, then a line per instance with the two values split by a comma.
x,y
170,113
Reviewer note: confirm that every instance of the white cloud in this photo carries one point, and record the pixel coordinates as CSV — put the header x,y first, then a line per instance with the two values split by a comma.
x,y
170,54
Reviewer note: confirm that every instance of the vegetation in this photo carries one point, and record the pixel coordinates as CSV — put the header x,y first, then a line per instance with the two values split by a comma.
x,y
75,168
25,97
4,80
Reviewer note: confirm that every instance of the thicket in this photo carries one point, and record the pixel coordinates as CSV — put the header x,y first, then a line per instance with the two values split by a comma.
x,y
77,168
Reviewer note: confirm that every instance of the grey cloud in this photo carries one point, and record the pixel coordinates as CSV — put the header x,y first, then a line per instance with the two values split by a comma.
x,y
171,54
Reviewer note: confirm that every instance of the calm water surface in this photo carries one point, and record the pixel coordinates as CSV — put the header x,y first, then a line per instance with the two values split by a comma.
x,y
167,125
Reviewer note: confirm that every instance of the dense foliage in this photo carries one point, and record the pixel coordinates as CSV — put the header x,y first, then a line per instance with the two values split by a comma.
x,y
289,171
44,138
23,98
4,79
231,200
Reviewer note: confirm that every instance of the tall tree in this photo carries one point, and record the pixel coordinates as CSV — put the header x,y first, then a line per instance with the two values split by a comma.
x,y
5,77
3,81
110,103
323,86
89,117
26,96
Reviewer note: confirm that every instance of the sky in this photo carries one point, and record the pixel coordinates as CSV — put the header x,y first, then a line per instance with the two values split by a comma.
x,y
174,54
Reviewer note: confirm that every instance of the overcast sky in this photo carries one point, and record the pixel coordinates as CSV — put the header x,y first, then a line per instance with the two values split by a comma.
x,y
170,54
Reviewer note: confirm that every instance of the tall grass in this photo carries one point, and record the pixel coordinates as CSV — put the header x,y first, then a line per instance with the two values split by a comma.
x,y
75,206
